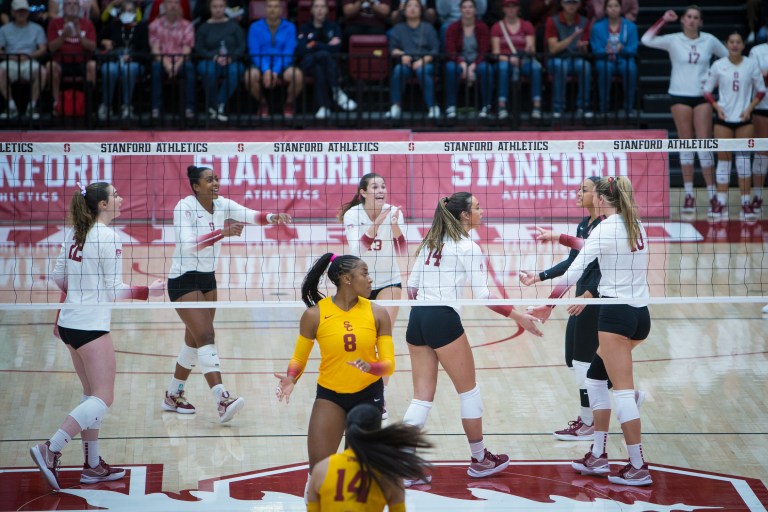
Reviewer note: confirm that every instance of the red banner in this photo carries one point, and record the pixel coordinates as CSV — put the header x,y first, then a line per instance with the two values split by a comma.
x,y
311,173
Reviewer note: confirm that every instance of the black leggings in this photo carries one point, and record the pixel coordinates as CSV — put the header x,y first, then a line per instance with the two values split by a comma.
x,y
581,335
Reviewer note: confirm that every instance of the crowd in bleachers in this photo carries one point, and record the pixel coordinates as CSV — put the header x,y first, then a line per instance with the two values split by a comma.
x,y
210,59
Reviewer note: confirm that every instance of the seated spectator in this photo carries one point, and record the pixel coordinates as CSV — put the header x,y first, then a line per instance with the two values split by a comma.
x,y
449,11
126,43
38,12
220,42
22,43
614,45
318,47
88,9
596,10
236,10
413,44
567,36
71,41
113,9
755,16
271,44
172,38
396,12
513,42
365,17
158,9
467,43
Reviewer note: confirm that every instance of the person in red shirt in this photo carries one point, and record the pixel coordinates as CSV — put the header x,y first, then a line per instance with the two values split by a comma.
x,y
567,37
71,41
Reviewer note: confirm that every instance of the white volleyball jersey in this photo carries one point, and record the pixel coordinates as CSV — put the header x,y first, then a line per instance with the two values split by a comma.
x,y
192,222
381,256
736,85
759,54
690,59
441,276
91,274
624,271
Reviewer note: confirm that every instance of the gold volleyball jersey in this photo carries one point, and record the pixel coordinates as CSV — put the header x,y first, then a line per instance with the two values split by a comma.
x,y
338,492
345,336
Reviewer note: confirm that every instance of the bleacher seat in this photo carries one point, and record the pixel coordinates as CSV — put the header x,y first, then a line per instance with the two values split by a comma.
x,y
368,57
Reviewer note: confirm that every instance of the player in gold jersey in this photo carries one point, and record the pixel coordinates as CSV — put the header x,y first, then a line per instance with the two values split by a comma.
x,y
355,338
369,474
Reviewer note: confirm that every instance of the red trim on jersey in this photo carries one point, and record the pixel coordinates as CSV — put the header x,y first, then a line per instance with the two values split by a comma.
x,y
400,245
134,293
366,241
656,27
760,95
502,310
573,242
710,99
208,239
261,218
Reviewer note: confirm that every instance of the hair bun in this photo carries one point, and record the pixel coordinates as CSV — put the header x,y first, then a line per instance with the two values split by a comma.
x,y
191,170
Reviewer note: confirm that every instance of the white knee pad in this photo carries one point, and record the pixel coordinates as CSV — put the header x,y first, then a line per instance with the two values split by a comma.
x,y
743,165
90,412
723,172
208,358
417,413
687,157
471,404
626,407
187,357
706,160
760,165
580,369
599,396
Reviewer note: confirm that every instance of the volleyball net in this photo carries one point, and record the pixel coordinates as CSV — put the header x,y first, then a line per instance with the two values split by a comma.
x,y
522,181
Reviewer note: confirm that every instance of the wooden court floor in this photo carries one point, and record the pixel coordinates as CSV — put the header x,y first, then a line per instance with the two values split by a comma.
x,y
704,369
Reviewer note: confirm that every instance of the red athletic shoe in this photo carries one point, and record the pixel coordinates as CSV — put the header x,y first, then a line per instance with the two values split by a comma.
x,y
490,465
48,462
630,475
576,431
229,406
101,473
591,465
177,403
689,205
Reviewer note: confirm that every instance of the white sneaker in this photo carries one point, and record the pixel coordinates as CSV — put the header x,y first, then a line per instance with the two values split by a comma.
x,y
221,113
323,113
103,112
503,113
434,112
126,112
765,309
228,407
485,112
343,101
394,112
450,112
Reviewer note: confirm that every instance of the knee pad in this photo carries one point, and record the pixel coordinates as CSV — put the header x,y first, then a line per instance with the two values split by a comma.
x,y
417,413
471,404
626,407
96,425
208,358
90,412
597,369
687,158
743,165
580,369
760,165
723,172
187,357
599,396
706,159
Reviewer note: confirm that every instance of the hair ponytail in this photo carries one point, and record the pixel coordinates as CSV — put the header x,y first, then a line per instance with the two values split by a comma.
x,y
619,193
339,265
84,209
447,221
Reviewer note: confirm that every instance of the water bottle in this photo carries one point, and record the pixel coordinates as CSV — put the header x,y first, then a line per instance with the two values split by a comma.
x,y
223,48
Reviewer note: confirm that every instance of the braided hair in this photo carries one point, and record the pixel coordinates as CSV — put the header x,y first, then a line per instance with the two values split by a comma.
x,y
339,266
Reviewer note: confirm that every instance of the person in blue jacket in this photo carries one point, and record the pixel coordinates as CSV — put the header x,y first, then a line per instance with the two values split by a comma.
x,y
271,44
614,45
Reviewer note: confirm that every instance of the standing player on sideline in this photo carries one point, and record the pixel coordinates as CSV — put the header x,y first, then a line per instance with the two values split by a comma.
x,y
690,52
199,225
619,244
447,259
375,234
383,456
356,350
760,117
581,331
89,270
737,79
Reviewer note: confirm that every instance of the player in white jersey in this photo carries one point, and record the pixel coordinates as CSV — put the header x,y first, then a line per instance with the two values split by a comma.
x,y
89,271
448,259
740,89
199,225
690,52
620,246
760,118
374,231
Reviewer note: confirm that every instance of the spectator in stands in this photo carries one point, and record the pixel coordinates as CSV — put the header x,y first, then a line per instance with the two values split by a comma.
x,y
220,43
513,42
449,11
71,41
172,38
271,44
414,46
318,50
467,43
236,10
88,9
396,13
365,17
22,43
113,10
596,10
755,17
158,9
567,36
126,43
38,12
690,52
538,12
614,44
